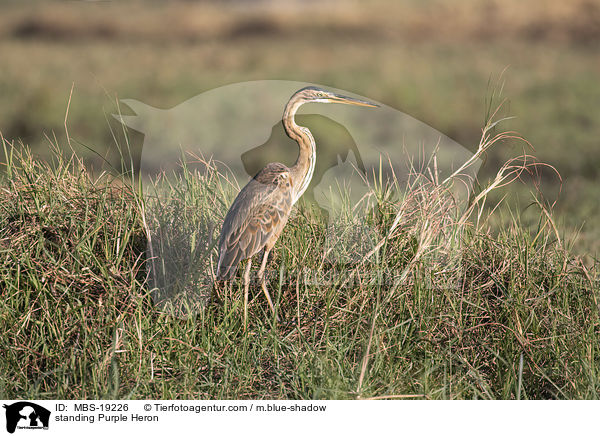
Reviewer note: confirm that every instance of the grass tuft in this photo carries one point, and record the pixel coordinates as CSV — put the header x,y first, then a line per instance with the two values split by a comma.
x,y
441,307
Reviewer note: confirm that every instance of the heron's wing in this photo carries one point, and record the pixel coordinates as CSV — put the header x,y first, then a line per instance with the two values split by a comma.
x,y
257,215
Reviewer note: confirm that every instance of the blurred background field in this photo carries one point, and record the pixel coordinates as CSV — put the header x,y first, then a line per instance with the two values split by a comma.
x,y
436,61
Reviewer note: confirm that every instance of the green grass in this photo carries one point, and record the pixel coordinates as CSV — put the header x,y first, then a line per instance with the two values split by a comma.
x,y
446,309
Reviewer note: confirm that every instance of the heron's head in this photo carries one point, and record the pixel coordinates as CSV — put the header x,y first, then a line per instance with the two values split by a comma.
x,y
313,94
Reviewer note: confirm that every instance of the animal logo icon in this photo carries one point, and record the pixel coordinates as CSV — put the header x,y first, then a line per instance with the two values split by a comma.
x,y
238,128
26,415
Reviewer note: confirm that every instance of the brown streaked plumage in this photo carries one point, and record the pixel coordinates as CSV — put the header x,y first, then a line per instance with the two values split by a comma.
x,y
268,198
260,211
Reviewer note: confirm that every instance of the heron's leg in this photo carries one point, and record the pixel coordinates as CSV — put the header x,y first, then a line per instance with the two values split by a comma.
x,y
246,290
261,278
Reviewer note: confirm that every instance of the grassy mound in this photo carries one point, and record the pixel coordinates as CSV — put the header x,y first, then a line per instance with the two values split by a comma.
x,y
504,314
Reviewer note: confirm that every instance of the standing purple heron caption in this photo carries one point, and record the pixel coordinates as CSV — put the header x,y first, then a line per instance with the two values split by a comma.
x,y
261,209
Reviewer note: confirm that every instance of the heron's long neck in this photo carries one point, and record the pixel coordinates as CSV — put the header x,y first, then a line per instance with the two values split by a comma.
x,y
302,170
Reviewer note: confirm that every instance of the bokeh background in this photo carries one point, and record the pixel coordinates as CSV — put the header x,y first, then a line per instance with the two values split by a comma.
x,y
437,61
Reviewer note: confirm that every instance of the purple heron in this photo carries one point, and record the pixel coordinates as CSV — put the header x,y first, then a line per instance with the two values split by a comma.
x,y
260,211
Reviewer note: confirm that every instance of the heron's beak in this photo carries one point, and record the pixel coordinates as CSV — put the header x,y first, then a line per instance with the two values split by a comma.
x,y
349,100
